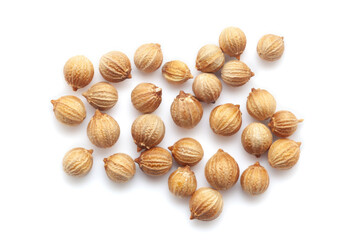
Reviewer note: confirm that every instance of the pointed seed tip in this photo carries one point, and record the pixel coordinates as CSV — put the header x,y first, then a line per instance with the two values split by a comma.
x,y
171,148
90,151
129,76
300,120
53,102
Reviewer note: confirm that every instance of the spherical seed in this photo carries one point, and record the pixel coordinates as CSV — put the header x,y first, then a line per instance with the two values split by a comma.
x,y
187,151
102,96
226,119
78,72
146,97
155,161
119,167
260,104
210,59
255,179
207,87
236,73
148,57
182,182
256,139
284,154
232,41
176,72
270,47
78,162
284,123
115,66
69,110
206,204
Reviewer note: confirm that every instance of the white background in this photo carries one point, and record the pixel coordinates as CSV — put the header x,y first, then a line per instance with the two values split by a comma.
x,y
317,79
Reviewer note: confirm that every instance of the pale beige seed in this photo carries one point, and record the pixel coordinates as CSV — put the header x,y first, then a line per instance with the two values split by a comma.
x,y
176,72
147,131
155,161
260,104
103,131
187,151
255,179
226,119
182,182
78,72
232,41
270,47
256,139
207,87
236,73
146,97
102,96
148,57
78,162
222,171
284,123
206,204
284,154
115,67
119,167
69,110
186,111
210,59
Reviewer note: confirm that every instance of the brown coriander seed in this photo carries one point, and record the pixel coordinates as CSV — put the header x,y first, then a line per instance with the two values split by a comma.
x,y
155,162
176,72
103,131
210,59
207,87
148,57
102,96
260,104
146,97
182,182
255,179
222,171
284,123
115,66
78,72
232,41
226,119
270,47
236,73
147,130
119,167
284,154
187,151
206,204
69,110
256,139
186,110
78,162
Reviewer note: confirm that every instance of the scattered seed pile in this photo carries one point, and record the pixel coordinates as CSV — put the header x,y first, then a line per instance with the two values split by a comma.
x,y
148,130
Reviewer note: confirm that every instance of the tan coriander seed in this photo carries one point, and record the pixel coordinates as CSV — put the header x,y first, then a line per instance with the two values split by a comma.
x,y
226,119
256,139
103,131
69,110
260,104
255,179
210,59
102,96
148,57
115,67
176,72
155,161
78,72
270,47
222,171
284,123
78,162
187,151
207,87
146,97
119,167
182,182
206,204
232,41
236,73
284,154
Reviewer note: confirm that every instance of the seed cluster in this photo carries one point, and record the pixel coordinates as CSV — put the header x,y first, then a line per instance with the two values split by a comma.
x,y
222,171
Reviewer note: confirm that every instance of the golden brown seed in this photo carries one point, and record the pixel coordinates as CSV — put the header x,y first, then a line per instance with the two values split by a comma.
x,y
78,72
148,57
69,110
155,161
232,41
210,59
115,66
119,167
284,154
187,151
147,131
260,104
226,119
206,204
146,97
182,182
78,162
176,72
186,111
255,179
256,139
207,87
236,73
102,96
284,123
222,171
270,47
103,131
